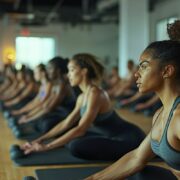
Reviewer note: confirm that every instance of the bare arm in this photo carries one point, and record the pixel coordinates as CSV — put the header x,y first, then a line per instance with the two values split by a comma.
x,y
24,94
5,85
57,97
151,101
65,124
128,165
93,105
10,90
132,98
135,97
47,105
148,103
35,102
27,107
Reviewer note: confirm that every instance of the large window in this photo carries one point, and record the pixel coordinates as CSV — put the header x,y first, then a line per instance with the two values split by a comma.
x,y
34,50
161,28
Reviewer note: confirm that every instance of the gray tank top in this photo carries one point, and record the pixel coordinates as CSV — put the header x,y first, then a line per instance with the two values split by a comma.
x,y
163,148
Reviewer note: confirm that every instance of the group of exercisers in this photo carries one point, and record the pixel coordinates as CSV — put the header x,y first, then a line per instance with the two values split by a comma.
x,y
86,123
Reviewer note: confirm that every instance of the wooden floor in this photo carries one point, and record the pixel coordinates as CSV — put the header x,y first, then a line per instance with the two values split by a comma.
x,y
8,171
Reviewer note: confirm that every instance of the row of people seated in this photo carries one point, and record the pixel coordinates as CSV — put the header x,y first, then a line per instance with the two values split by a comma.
x,y
17,88
146,103
93,122
53,101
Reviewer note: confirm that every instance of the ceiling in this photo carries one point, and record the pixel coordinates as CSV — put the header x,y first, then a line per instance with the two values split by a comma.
x,y
43,12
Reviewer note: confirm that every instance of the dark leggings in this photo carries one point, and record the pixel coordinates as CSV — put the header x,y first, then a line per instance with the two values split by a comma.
x,y
43,124
153,173
109,138
98,147
103,149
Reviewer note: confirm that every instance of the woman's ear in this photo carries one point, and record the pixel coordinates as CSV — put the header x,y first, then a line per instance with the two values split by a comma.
x,y
168,71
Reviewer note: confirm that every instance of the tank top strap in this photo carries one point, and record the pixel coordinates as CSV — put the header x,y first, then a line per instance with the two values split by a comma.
x,y
175,104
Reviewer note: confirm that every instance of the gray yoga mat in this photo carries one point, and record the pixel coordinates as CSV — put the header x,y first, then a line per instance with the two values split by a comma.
x,y
59,156
149,173
66,173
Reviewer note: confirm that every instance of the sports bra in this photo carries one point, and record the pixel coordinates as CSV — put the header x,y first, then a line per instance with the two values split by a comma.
x,y
163,148
100,117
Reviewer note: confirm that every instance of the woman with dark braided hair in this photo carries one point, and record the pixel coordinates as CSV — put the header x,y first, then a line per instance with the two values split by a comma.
x,y
92,123
159,66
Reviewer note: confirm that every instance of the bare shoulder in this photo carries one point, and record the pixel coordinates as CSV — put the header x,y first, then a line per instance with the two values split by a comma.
x,y
96,95
80,99
95,91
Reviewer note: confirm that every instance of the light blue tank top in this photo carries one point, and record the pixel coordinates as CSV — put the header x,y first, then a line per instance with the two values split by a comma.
x,y
164,149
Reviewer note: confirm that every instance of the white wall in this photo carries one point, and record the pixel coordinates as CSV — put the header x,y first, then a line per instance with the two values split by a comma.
x,y
133,31
165,9
101,40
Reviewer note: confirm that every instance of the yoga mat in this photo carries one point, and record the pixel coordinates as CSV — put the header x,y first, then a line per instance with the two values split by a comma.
x,y
66,173
149,173
59,156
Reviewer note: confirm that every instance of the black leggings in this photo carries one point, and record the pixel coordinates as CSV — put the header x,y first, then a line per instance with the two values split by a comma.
x,y
98,147
44,123
110,138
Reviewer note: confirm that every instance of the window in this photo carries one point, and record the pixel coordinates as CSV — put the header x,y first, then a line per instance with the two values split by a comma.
x,y
161,28
34,50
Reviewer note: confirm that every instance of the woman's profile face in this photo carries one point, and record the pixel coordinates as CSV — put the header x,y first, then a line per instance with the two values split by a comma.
x,y
51,71
75,75
37,74
149,76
